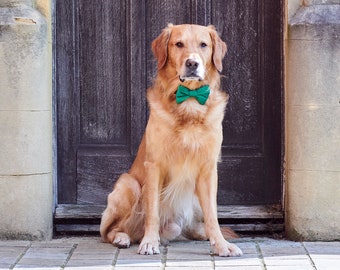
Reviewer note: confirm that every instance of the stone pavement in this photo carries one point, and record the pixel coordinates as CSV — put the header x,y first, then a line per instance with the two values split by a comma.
x,y
88,253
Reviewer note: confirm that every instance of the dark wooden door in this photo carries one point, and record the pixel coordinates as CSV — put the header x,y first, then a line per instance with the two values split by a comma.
x,y
104,64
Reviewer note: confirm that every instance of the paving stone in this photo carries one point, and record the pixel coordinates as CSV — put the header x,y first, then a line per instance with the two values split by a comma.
x,y
190,263
141,267
323,247
36,262
282,254
87,251
249,257
94,267
12,243
92,255
95,264
325,255
247,247
327,264
189,267
240,267
10,251
95,245
52,244
43,255
281,248
289,267
189,254
239,261
286,261
37,268
130,258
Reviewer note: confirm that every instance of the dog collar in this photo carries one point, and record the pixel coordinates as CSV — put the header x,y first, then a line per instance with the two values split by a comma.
x,y
200,94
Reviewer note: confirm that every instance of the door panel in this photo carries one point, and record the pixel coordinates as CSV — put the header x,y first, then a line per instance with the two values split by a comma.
x,y
104,65
104,149
103,69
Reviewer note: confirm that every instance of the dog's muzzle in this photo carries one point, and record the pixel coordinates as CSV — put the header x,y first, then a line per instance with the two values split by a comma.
x,y
193,70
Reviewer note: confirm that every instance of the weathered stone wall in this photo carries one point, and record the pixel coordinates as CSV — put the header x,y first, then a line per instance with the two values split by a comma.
x,y
312,121
26,120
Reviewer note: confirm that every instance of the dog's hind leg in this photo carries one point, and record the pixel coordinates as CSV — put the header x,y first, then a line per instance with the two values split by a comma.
x,y
121,202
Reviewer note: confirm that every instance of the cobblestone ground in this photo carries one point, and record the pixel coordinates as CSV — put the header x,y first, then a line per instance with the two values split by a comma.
x,y
89,253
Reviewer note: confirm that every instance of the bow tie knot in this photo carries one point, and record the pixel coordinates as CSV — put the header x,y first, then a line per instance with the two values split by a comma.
x,y
200,94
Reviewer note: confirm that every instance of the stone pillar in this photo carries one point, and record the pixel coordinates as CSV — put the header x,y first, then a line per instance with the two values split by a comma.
x,y
25,120
313,122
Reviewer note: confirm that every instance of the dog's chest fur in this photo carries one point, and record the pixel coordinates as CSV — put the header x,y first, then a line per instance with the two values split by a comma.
x,y
178,201
190,139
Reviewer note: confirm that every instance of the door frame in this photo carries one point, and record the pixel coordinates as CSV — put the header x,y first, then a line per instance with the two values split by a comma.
x,y
266,217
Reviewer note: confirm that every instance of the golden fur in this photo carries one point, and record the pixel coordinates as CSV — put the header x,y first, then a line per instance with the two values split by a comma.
x,y
171,188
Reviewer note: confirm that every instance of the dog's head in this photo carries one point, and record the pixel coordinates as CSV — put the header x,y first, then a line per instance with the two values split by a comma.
x,y
189,51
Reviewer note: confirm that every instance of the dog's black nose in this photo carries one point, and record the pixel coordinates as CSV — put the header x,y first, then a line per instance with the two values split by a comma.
x,y
191,64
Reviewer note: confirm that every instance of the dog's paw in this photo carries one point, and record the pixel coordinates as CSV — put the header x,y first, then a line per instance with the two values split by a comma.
x,y
226,249
148,247
121,240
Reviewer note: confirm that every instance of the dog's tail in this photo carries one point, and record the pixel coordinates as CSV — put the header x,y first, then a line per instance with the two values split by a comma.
x,y
228,233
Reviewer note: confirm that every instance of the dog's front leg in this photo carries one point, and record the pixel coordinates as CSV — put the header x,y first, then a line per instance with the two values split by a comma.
x,y
150,241
206,190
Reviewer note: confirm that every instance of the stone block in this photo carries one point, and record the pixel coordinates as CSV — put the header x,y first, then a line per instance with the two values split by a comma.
x,y
313,73
26,142
11,3
320,2
24,60
26,207
292,7
313,138
312,205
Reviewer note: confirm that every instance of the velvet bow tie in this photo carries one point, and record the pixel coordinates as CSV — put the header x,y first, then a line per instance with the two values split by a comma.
x,y
201,94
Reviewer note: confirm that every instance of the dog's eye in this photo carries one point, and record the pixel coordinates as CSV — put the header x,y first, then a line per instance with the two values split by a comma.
x,y
203,45
179,44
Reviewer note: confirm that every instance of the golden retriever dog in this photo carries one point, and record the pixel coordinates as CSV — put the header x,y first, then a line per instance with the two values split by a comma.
x,y
171,188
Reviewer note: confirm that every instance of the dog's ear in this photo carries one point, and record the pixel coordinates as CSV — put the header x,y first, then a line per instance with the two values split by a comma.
x,y
160,46
219,48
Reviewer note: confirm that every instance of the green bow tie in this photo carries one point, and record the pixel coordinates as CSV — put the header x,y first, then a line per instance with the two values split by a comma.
x,y
201,94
